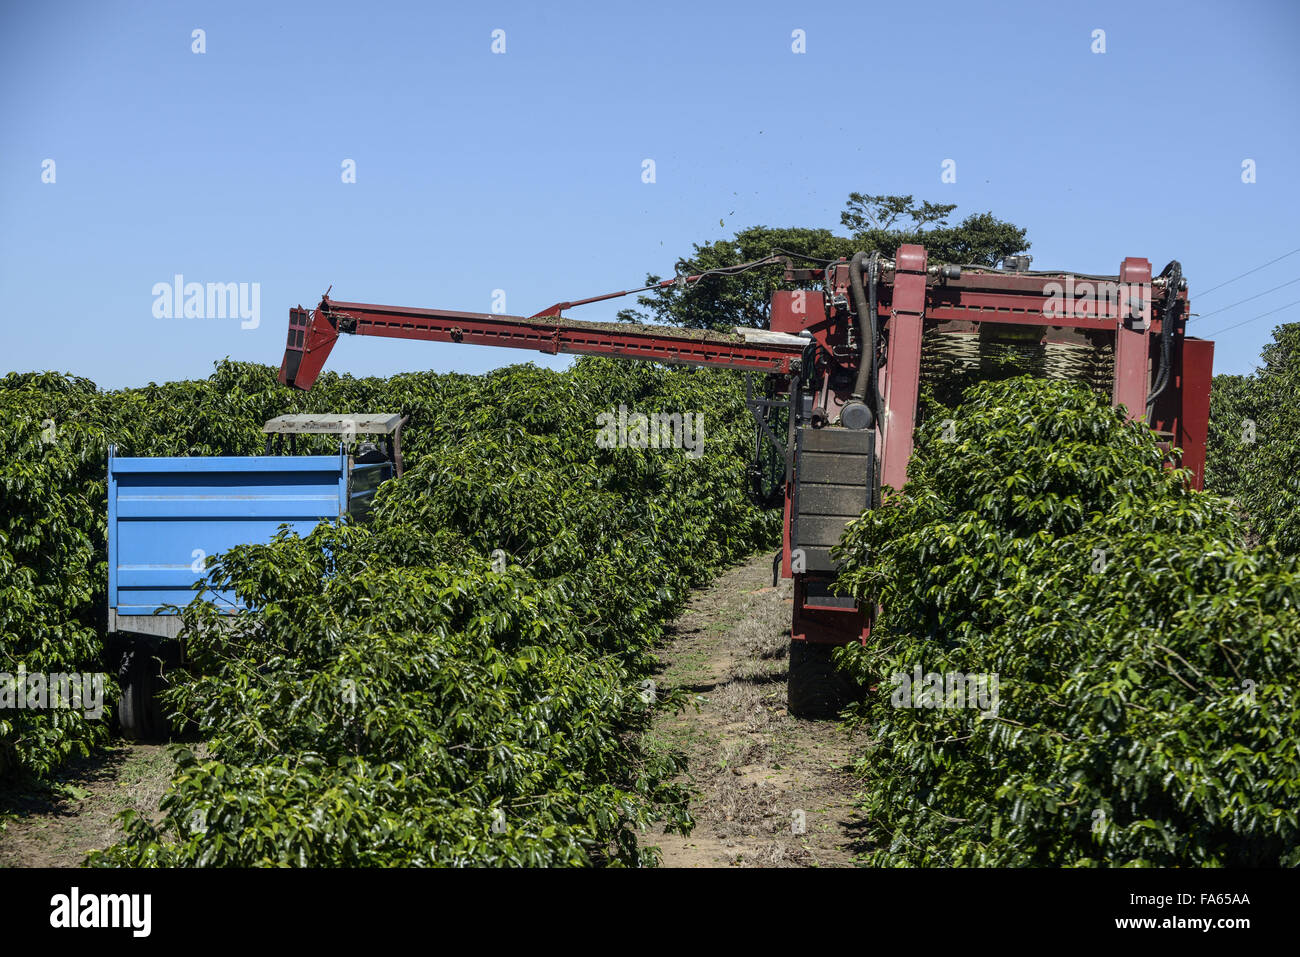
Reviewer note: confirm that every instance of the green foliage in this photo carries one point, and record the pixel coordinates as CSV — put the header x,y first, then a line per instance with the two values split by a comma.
x,y
1254,447
394,690
723,302
1233,431
980,239
1147,660
719,302
52,566
380,718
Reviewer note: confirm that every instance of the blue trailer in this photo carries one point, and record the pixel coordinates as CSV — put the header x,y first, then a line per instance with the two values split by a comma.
x,y
167,516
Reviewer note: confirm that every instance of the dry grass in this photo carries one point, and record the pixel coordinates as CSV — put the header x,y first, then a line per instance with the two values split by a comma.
x,y
751,765
58,824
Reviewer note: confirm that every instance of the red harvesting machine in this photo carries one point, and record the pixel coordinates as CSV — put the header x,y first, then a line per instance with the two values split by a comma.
x,y
846,356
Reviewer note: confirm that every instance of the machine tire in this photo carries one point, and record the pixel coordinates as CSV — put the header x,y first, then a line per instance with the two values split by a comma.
x,y
815,687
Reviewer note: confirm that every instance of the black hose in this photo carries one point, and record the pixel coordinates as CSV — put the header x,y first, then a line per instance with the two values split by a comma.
x,y
873,280
1173,274
866,330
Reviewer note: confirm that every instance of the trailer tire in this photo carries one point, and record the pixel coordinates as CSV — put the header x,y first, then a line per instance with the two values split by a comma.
x,y
138,712
815,688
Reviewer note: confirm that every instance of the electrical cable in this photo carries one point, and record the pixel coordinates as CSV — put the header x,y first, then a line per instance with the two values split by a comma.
x,y
1219,332
803,256
1248,299
1247,273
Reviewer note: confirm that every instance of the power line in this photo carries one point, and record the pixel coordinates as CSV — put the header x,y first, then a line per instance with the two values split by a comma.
x,y
1246,273
1220,332
1248,299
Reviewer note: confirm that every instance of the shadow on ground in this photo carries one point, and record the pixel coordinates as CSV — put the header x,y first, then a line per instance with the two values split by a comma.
x,y
768,789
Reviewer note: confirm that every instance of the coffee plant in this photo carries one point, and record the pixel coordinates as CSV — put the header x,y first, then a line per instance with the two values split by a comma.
x,y
1254,448
1146,660
456,681
53,448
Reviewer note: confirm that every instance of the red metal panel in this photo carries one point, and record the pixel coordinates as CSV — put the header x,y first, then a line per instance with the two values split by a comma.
x,y
794,311
1057,300
1132,355
568,336
310,348
1021,316
1197,372
902,371
826,626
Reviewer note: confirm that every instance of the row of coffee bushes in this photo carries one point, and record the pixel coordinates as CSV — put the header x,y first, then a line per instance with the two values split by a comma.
x,y
1080,661
458,680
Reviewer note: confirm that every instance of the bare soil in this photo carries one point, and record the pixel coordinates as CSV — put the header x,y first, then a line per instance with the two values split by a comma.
x,y
770,790
58,823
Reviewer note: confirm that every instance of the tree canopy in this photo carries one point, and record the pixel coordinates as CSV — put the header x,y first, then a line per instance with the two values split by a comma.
x,y
874,223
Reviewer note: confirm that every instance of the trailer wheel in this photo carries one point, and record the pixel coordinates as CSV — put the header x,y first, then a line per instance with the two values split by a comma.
x,y
815,687
138,711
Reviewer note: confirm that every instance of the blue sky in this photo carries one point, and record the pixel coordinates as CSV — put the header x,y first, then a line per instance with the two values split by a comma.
x,y
522,171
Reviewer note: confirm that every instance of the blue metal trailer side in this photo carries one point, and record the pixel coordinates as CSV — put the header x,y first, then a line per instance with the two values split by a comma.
x,y
167,515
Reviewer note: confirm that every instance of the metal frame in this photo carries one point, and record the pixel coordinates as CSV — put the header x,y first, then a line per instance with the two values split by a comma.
x,y
308,348
387,424
814,342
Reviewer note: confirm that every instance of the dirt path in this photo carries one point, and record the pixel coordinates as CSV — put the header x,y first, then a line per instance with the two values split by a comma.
x,y
752,767
58,824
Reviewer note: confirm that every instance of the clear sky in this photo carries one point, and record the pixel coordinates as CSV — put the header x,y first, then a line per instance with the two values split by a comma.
x,y
522,170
